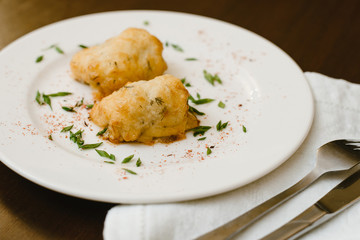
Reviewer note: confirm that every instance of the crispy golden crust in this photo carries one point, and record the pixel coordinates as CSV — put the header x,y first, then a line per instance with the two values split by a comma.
x,y
146,111
132,56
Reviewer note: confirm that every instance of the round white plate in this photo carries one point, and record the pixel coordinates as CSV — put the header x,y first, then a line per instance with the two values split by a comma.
x,y
264,90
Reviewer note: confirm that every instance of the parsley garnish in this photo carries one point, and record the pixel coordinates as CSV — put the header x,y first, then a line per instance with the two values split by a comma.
x,y
190,59
68,109
200,130
199,100
38,98
146,23
201,139
129,171
90,146
104,154
89,106
138,162
66,129
59,94
127,159
244,129
208,151
211,78
221,104
177,47
45,98
83,46
220,126
101,132
195,111
186,84
50,137
39,58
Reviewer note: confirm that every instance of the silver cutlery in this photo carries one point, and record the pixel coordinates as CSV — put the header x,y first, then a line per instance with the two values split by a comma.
x,y
338,199
334,157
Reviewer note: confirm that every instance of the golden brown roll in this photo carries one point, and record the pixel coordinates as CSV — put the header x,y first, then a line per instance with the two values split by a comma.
x,y
132,56
146,111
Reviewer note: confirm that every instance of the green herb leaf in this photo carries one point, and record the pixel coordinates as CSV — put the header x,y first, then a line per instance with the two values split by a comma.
x,y
129,171
47,100
200,130
221,104
201,139
101,132
199,100
146,23
211,78
220,126
66,129
89,106
208,151
90,146
79,103
38,98
195,111
103,153
244,129
50,137
59,50
68,109
83,46
59,94
110,162
39,58
190,59
186,84
127,159
177,48
138,162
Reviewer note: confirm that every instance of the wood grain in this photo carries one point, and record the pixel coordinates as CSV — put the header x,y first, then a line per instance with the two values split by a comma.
x,y
321,36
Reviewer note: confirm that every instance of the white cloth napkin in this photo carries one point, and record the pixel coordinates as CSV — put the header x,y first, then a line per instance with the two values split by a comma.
x,y
337,116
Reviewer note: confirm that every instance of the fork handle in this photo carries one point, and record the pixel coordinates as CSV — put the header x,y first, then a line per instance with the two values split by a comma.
x,y
230,229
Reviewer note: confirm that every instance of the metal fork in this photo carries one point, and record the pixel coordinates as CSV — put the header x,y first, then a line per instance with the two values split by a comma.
x,y
334,157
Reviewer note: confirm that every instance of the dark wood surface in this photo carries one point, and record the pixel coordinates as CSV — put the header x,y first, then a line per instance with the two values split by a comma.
x,y
321,36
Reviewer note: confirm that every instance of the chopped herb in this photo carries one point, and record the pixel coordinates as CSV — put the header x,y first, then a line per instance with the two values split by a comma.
x,y
50,137
159,100
220,126
200,130
208,151
90,146
177,47
89,106
244,129
201,139
195,111
59,50
221,104
79,103
101,132
166,44
66,129
138,162
77,137
110,162
102,153
129,171
211,78
127,159
47,100
83,46
200,101
146,23
190,59
68,109
186,84
38,98
59,94
39,58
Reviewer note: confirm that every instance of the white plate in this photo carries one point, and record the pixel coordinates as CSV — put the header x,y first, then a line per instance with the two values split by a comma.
x,y
263,89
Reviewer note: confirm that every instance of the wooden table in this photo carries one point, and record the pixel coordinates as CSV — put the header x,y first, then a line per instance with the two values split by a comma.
x,y
321,36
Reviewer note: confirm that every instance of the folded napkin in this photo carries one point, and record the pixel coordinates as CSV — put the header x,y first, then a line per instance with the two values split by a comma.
x,y
337,116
